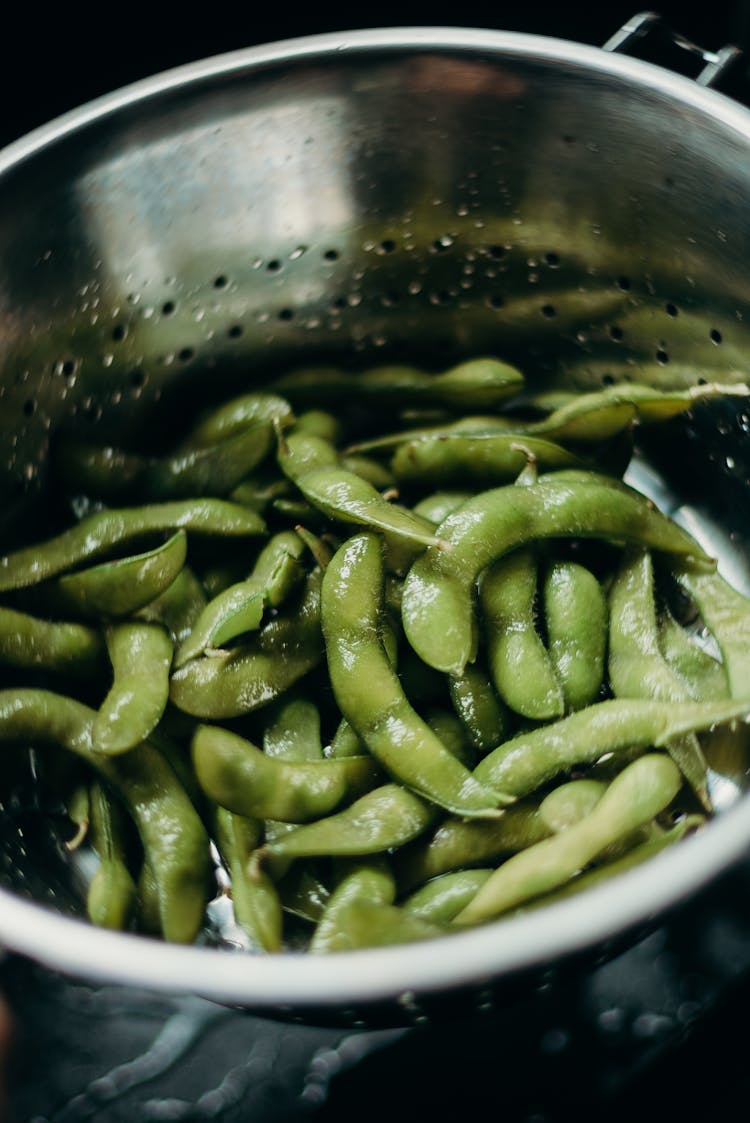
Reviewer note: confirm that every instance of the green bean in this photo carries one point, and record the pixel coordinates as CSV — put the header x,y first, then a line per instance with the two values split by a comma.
x,y
474,384
174,840
443,898
141,655
641,791
703,675
235,682
119,587
383,819
319,423
30,643
237,610
440,504
437,598
520,665
238,776
116,476
637,668
527,761
575,616
257,907
603,413
368,881
369,693
237,415
105,529
178,607
278,566
568,803
111,897
610,868
450,731
293,733
726,613
478,708
482,459
365,924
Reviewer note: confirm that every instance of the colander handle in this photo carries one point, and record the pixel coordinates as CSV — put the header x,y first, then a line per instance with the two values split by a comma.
x,y
647,36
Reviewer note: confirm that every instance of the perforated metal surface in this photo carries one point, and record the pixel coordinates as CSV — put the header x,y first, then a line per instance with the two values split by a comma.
x,y
430,194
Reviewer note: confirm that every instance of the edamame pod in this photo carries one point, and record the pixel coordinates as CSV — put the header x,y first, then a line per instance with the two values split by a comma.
x,y
369,693
111,897
368,881
639,793
726,613
174,840
576,620
30,643
257,908
526,762
105,529
141,655
482,459
437,599
238,776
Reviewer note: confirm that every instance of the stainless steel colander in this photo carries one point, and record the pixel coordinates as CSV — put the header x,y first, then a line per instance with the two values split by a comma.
x,y
428,193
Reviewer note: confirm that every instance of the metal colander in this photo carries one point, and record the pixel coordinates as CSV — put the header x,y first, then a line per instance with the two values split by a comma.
x,y
420,193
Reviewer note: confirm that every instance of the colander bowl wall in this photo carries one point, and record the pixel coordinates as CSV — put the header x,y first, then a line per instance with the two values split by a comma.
x,y
425,194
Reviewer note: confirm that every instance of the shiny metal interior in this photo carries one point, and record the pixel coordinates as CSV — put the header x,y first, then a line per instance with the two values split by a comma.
x,y
423,193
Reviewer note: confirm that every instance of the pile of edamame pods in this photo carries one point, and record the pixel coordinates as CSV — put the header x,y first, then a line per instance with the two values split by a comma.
x,y
394,653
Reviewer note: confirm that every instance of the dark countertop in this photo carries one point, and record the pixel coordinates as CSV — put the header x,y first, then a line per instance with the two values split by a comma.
x,y
656,1025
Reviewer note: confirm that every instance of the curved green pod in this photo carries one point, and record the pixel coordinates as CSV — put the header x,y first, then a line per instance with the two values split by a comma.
x,y
640,792
437,604
33,644
102,531
174,840
121,586
141,656
475,384
577,624
238,776
523,764
369,693
479,459
235,682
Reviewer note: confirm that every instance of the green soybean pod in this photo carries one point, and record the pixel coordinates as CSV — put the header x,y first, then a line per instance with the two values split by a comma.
x,y
520,664
437,605
478,707
480,459
367,881
576,620
111,897
236,610
237,775
383,819
368,691
29,643
637,668
703,674
442,899
253,674
174,840
105,529
141,655
726,614
122,586
255,899
640,792
237,415
568,803
523,764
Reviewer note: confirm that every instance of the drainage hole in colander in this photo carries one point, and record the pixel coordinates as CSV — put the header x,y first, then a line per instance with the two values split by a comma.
x,y
119,331
331,255
715,336
168,307
623,283
220,282
235,331
662,357
671,310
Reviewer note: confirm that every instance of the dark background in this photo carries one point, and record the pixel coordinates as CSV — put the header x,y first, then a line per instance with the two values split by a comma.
x,y
53,60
